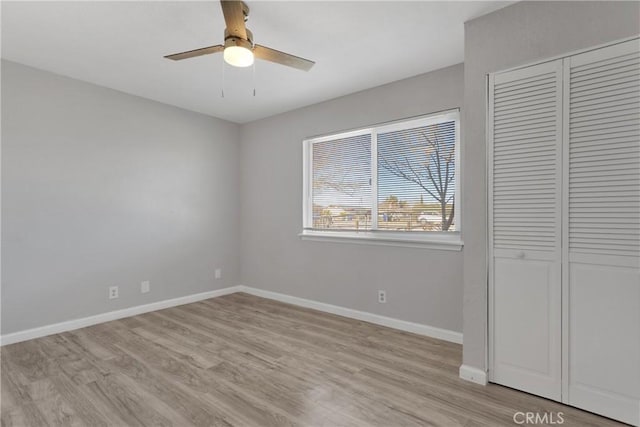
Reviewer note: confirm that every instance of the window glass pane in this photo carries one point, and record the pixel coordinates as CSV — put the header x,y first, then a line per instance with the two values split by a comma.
x,y
341,192
416,178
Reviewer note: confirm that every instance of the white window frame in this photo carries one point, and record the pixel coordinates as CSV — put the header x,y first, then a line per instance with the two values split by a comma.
x,y
446,240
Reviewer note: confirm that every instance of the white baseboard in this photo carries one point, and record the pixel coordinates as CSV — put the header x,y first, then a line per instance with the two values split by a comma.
x,y
474,375
403,325
71,325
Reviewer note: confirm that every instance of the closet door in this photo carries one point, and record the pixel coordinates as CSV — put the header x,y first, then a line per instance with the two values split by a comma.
x,y
525,131
602,290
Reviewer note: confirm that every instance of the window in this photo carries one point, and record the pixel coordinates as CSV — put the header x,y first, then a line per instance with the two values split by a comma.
x,y
391,182
341,181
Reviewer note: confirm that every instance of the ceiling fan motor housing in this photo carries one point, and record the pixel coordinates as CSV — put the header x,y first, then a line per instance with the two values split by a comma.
x,y
230,40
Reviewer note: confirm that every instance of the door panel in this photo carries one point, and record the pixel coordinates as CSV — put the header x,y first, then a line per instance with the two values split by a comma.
x,y
604,314
602,101
527,321
525,218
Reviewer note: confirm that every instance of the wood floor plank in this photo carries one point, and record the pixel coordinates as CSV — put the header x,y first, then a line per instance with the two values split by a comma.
x,y
129,405
17,407
240,360
202,381
189,404
25,414
165,408
78,402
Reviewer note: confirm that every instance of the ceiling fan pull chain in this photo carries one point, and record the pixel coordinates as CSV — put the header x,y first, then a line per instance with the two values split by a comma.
x,y
254,79
222,88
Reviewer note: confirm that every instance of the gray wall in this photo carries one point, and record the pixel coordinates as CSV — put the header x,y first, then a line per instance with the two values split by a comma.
x,y
101,188
423,286
516,35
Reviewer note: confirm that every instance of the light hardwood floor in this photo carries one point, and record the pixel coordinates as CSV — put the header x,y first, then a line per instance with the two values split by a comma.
x,y
246,361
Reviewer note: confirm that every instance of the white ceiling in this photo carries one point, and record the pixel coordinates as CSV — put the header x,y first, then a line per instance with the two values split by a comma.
x,y
356,45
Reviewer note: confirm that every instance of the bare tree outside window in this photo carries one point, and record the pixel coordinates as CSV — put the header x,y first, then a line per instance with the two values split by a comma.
x,y
426,158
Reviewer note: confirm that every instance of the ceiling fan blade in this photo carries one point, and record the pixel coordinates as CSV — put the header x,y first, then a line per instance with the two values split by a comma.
x,y
196,52
234,18
282,58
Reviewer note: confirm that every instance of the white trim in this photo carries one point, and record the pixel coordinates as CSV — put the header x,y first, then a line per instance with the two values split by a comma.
x,y
475,375
374,179
403,325
71,325
354,131
307,161
457,198
489,341
340,135
564,229
420,121
568,54
432,240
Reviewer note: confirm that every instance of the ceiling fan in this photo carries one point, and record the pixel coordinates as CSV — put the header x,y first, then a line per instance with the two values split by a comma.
x,y
239,49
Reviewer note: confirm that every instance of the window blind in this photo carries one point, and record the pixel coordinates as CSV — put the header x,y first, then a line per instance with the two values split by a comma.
x,y
416,178
341,193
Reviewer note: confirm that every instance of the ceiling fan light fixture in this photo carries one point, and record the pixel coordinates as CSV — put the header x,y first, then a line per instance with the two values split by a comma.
x,y
239,49
238,52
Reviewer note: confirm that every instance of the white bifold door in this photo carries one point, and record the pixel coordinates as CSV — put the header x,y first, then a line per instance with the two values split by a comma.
x,y
564,230
526,124
602,164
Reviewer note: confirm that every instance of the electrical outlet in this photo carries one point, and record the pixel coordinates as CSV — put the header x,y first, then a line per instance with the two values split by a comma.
x,y
382,297
145,287
218,273
113,292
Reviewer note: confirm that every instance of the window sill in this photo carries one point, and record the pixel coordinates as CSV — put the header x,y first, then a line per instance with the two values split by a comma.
x,y
448,242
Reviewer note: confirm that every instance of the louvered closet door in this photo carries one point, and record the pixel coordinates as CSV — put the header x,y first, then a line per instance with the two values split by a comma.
x,y
525,131
602,136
